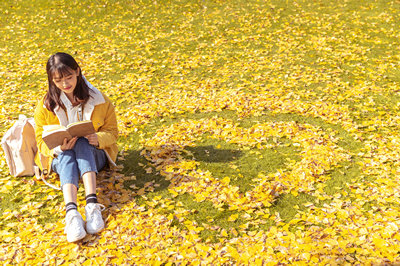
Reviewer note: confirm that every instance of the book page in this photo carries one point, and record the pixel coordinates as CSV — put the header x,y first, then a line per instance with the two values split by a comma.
x,y
48,129
81,128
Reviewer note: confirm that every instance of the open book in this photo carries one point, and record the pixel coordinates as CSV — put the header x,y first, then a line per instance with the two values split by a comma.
x,y
54,135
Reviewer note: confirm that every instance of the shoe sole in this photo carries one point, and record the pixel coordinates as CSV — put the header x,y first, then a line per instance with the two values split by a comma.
x,y
77,238
94,232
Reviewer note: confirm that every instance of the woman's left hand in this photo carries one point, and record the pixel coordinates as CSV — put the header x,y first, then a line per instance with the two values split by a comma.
x,y
93,139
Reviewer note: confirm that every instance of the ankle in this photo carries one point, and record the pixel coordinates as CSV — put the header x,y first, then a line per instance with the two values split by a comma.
x,y
91,198
70,206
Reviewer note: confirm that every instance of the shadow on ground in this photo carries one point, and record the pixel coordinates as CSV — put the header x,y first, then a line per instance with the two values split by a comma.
x,y
210,154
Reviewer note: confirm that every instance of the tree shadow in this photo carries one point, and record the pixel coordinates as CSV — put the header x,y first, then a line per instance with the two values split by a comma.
x,y
117,188
210,154
135,164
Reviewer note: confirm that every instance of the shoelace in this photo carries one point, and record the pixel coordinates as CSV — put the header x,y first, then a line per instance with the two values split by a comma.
x,y
99,207
102,207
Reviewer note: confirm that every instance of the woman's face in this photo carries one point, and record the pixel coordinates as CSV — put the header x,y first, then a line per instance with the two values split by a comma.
x,y
67,83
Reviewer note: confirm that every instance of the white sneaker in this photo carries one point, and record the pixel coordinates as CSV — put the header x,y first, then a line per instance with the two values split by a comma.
x,y
94,221
74,226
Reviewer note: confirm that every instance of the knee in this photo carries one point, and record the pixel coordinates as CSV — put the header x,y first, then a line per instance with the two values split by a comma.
x,y
82,146
67,154
81,141
65,158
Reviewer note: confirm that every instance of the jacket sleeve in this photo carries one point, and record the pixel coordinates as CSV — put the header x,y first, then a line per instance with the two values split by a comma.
x,y
108,132
40,117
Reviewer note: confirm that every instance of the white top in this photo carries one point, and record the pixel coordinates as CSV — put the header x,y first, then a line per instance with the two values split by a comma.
x,y
74,113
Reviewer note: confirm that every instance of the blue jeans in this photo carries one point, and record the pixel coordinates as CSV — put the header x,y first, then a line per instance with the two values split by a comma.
x,y
83,158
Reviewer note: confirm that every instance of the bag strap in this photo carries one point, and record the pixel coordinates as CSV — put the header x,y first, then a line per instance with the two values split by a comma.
x,y
45,173
42,175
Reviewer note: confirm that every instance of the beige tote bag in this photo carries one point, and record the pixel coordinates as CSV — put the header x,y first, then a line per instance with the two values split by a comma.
x,y
19,145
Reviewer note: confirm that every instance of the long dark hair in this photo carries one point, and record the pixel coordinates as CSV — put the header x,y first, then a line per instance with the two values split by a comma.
x,y
63,64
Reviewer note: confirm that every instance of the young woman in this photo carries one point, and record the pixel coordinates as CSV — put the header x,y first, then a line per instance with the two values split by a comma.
x,y
71,98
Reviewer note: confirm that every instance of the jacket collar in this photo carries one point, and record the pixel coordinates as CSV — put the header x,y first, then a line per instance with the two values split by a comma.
x,y
96,98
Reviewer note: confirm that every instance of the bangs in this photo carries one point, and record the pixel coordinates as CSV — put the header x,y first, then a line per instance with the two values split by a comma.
x,y
60,66
60,71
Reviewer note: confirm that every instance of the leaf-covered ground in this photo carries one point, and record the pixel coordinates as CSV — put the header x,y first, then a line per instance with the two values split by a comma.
x,y
251,132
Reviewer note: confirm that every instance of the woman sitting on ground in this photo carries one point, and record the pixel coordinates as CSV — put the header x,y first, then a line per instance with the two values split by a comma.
x,y
71,98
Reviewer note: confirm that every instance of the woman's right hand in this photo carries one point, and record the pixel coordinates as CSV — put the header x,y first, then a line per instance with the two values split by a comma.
x,y
67,145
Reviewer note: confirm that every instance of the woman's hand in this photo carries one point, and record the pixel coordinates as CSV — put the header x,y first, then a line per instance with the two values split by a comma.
x,y
93,139
67,145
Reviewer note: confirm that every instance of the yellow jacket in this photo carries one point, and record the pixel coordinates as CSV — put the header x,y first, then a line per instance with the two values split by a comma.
x,y
99,109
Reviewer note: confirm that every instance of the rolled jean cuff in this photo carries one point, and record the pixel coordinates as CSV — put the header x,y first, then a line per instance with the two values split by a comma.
x,y
86,166
69,180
